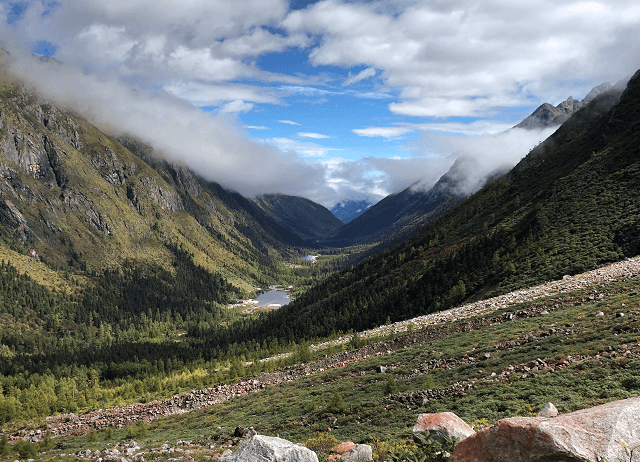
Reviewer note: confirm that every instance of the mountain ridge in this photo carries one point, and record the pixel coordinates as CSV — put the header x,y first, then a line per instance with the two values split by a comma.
x,y
303,217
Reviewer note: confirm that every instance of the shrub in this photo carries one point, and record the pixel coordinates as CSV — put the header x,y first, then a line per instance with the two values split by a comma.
x,y
322,442
390,386
25,449
336,404
429,449
5,447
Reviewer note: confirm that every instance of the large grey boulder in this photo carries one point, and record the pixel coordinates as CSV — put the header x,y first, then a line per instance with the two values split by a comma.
x,y
359,453
261,448
589,435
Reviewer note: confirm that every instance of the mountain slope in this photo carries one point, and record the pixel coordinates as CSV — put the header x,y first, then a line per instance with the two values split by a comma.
x,y
305,218
567,207
398,215
85,202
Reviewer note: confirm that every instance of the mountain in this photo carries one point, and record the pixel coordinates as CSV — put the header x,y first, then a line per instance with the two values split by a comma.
x,y
87,202
399,215
305,218
569,206
348,210
547,115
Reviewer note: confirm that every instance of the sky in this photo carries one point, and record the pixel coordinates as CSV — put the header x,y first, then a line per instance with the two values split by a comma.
x,y
329,99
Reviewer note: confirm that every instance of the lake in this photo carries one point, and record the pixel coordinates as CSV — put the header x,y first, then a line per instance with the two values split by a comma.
x,y
273,297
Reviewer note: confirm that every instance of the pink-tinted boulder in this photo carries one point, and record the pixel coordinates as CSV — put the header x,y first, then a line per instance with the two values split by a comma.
x,y
444,424
589,435
343,447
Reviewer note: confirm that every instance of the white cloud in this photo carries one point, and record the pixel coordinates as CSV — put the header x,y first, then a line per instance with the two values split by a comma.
x,y
383,132
256,127
317,136
237,106
431,59
200,94
214,147
456,59
399,129
304,149
365,74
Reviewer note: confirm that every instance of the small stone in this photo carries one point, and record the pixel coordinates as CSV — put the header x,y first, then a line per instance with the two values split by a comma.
x,y
599,314
619,315
548,411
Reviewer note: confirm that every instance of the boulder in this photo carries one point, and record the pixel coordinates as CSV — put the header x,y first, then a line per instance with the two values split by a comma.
x,y
359,453
548,411
589,435
261,448
343,447
444,424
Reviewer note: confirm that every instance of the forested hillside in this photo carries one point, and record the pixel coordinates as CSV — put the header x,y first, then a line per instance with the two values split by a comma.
x,y
86,202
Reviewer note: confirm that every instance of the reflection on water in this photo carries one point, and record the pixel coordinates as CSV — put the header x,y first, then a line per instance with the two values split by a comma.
x,y
273,297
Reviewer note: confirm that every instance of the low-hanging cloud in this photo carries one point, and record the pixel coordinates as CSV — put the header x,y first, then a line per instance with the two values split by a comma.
x,y
484,155
214,147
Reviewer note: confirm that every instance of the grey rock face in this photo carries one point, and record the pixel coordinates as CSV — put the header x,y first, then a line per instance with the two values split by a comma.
x,y
359,453
271,449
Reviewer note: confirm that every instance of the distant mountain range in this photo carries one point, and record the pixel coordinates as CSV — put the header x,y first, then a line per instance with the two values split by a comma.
x,y
348,210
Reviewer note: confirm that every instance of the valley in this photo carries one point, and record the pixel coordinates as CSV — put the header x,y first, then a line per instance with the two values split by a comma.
x,y
129,287
546,343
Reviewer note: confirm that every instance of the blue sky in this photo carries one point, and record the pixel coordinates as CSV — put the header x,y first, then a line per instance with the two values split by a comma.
x,y
328,99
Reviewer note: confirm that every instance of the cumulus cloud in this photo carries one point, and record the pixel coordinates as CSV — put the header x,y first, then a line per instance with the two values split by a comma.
x,y
431,59
455,59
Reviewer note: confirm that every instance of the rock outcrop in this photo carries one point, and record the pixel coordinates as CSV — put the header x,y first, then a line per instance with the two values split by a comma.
x,y
261,448
359,453
445,424
589,435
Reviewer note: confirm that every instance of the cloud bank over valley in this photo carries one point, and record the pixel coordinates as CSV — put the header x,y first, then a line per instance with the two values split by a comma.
x,y
330,100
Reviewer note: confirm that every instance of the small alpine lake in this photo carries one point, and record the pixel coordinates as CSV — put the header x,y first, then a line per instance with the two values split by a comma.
x,y
273,297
